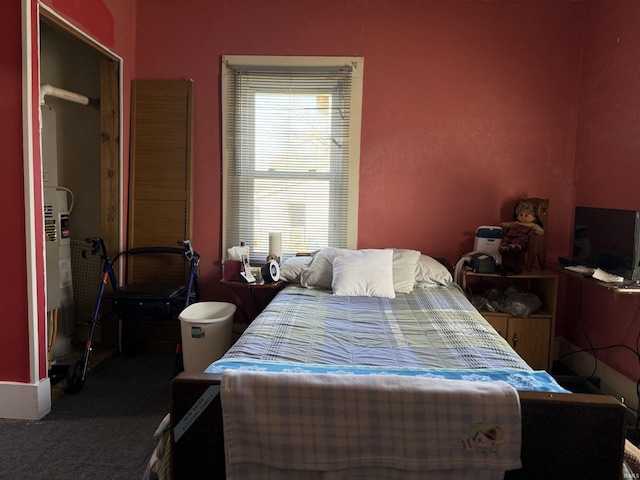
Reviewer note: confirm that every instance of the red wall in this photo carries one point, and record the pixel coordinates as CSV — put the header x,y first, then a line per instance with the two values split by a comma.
x,y
14,333
467,105
607,172
608,139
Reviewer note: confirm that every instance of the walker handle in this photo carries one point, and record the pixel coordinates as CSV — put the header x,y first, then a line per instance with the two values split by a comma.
x,y
96,245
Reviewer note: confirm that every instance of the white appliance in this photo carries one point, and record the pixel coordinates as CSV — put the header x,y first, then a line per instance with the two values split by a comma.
x,y
488,240
57,230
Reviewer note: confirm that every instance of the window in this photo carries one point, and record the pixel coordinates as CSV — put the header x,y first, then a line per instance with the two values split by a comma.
x,y
291,147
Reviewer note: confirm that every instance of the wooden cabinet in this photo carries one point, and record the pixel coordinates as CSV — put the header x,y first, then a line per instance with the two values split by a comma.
x,y
532,337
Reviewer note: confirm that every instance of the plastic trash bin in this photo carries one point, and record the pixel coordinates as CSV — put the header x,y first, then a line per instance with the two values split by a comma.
x,y
206,333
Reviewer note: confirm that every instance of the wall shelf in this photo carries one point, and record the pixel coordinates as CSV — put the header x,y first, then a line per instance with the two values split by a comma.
x,y
615,288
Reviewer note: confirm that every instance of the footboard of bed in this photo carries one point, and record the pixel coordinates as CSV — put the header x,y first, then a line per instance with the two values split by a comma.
x,y
570,436
563,435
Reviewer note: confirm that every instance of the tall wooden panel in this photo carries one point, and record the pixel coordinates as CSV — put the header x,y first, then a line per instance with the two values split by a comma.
x,y
110,148
160,183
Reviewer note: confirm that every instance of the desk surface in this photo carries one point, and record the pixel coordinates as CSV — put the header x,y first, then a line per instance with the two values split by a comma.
x,y
615,288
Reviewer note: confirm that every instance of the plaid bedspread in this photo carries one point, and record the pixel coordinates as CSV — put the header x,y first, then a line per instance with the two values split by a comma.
x,y
435,327
431,332
287,426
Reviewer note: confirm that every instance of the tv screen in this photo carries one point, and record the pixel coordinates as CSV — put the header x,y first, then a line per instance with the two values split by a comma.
x,y
607,238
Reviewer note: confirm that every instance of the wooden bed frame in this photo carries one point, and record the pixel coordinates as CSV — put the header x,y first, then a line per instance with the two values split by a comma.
x,y
564,436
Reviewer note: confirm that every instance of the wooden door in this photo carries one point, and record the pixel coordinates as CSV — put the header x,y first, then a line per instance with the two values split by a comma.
x,y
530,338
161,168
498,322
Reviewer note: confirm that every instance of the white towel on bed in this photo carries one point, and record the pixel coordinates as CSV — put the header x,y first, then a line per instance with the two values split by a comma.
x,y
289,425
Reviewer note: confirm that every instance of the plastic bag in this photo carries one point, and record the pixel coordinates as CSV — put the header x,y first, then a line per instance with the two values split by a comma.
x,y
481,303
513,301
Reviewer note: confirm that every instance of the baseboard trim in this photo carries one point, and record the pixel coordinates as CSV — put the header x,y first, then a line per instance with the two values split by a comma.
x,y
26,401
612,382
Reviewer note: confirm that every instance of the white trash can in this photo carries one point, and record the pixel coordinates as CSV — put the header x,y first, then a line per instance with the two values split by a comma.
x,y
206,333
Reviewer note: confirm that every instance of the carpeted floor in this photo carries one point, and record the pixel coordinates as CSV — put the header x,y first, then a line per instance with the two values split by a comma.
x,y
105,431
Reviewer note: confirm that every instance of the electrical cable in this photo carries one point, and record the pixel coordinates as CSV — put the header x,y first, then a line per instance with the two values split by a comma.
x,y
635,319
607,347
586,335
622,345
591,348
70,193
638,417
53,335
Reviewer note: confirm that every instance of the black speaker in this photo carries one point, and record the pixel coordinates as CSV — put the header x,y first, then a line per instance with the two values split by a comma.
x,y
271,272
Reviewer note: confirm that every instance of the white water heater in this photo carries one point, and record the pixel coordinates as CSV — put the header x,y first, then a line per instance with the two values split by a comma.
x,y
58,249
56,223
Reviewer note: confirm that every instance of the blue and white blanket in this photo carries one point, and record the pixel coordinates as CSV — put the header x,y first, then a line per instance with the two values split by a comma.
x,y
534,380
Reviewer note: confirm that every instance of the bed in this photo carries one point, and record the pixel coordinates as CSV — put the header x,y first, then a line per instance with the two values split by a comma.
x,y
392,317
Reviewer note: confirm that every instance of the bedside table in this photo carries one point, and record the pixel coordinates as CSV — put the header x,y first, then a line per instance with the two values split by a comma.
x,y
532,337
260,293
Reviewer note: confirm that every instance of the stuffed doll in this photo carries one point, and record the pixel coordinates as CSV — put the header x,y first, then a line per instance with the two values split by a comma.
x,y
517,232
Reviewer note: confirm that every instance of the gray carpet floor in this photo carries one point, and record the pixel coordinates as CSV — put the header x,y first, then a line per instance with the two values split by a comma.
x,y
105,431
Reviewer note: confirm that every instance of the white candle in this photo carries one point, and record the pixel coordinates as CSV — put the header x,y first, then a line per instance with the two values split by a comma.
x,y
275,244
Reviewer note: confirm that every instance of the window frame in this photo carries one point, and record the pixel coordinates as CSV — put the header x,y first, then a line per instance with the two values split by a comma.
x,y
357,64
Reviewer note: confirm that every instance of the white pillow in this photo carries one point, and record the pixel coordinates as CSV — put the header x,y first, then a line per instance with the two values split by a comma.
x,y
319,271
405,263
364,273
292,267
431,272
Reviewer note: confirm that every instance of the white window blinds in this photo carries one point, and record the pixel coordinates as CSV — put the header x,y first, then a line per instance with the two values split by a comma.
x,y
288,147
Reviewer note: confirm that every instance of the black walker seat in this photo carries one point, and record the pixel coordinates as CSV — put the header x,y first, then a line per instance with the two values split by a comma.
x,y
154,299
149,300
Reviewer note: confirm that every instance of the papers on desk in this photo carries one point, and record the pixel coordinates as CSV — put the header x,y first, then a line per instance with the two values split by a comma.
x,y
581,269
606,277
596,273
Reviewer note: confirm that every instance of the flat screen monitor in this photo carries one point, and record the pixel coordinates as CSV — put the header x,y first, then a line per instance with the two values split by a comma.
x,y
608,239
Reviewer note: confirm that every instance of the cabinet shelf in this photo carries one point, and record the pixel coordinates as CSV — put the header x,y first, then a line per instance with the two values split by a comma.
x,y
532,337
538,314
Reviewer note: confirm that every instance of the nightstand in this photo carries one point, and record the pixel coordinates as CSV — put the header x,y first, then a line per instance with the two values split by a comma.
x,y
531,337
260,294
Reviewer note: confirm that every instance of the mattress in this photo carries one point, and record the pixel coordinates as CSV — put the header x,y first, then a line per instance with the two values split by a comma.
x,y
429,332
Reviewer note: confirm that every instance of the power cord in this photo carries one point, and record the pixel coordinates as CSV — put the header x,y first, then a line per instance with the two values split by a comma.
x,y
593,350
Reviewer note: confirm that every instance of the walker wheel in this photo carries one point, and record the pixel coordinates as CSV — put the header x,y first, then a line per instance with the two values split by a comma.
x,y
74,376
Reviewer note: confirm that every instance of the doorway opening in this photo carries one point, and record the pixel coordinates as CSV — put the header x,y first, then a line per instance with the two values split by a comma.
x,y
80,119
